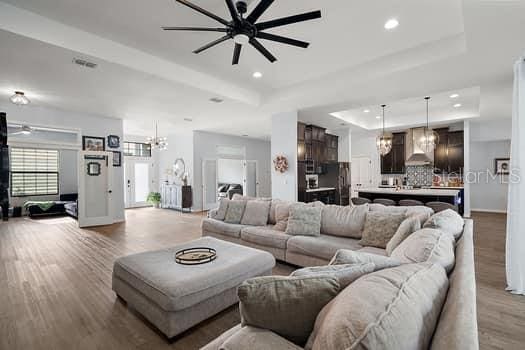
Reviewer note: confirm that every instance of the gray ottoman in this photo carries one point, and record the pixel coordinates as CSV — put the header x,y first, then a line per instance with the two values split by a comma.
x,y
176,297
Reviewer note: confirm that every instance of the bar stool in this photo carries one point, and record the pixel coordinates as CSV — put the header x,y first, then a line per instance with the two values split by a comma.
x,y
360,201
441,206
384,201
410,203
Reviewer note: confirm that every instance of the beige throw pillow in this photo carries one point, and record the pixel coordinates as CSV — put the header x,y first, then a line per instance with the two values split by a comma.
x,y
235,212
304,220
380,227
427,245
221,211
396,308
344,221
345,274
407,227
282,212
287,306
447,221
345,256
256,213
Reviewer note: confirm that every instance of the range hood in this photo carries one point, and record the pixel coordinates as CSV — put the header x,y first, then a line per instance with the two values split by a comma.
x,y
417,156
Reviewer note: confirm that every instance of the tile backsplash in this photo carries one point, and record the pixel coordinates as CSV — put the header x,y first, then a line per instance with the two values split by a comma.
x,y
419,175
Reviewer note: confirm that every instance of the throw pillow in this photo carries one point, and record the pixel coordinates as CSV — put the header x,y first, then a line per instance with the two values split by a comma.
x,y
427,245
234,212
256,213
400,313
223,207
287,306
271,218
345,274
344,221
380,227
407,227
448,221
345,256
282,212
304,220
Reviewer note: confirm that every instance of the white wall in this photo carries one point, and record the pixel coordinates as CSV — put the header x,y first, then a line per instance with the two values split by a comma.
x,y
88,124
205,147
230,171
284,142
345,145
488,194
180,145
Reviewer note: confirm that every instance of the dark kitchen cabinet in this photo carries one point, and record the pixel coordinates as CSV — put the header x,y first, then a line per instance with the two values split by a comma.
x,y
331,143
301,181
301,151
301,129
394,162
449,152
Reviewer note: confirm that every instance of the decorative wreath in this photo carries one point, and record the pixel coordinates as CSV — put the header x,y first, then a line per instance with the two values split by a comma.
x,y
280,164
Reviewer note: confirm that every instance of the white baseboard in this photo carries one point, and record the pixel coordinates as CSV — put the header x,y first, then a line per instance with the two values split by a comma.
x,y
490,211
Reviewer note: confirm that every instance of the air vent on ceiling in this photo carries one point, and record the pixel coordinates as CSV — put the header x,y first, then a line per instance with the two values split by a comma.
x,y
216,100
84,63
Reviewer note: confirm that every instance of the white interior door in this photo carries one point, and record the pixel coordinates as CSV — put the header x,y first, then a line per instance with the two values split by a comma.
x,y
138,182
361,174
209,184
95,194
251,179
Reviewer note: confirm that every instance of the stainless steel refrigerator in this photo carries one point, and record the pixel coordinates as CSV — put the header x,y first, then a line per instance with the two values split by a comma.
x,y
337,175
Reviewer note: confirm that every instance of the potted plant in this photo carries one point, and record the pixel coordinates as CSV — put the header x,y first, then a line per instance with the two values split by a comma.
x,y
154,198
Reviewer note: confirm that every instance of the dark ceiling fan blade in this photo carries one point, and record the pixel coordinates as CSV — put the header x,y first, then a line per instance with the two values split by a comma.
x,y
288,20
203,11
237,53
282,39
259,10
255,43
197,29
233,11
212,44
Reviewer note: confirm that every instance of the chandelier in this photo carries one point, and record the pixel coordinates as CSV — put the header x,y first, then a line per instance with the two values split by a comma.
x,y
384,141
427,142
19,99
157,142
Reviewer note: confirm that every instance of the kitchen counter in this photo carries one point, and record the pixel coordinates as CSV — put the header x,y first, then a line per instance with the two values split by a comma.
x,y
320,189
447,187
415,192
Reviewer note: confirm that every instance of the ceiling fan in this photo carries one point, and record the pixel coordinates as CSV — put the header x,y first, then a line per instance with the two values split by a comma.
x,y
24,130
246,30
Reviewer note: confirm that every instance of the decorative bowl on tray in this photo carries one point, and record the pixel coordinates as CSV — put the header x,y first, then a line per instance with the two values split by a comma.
x,y
195,256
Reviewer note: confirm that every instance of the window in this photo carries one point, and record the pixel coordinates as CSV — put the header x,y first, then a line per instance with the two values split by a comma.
x,y
34,172
135,149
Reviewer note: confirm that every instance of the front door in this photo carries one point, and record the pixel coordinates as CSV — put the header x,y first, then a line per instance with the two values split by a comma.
x,y
137,182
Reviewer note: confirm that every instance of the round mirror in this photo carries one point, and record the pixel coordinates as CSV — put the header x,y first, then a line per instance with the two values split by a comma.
x,y
179,167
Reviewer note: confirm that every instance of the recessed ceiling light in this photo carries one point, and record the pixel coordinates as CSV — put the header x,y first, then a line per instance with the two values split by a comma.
x,y
454,96
378,117
257,75
391,24
457,105
366,111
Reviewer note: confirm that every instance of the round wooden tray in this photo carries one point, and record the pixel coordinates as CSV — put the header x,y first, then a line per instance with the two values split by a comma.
x,y
195,256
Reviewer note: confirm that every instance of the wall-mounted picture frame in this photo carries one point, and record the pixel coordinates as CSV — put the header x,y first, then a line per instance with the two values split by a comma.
x,y
113,141
502,166
93,169
93,143
117,158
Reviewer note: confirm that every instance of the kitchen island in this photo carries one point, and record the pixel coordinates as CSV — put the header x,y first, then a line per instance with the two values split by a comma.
x,y
425,195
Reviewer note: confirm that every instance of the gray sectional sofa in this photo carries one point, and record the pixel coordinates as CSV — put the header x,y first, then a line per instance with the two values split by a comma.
x,y
456,322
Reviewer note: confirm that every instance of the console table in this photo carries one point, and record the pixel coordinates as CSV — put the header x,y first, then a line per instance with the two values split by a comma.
x,y
176,197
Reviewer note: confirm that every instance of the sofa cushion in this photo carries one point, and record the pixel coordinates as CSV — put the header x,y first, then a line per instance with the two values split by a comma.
x,y
323,247
235,211
345,256
282,213
271,215
343,221
256,213
220,214
373,250
427,245
287,306
256,339
380,227
221,227
422,212
407,227
304,220
447,221
345,274
401,313
265,236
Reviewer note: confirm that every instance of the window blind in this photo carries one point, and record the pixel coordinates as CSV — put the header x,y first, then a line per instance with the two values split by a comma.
x,y
34,172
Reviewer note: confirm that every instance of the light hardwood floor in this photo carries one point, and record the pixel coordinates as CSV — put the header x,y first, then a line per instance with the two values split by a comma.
x,y
55,284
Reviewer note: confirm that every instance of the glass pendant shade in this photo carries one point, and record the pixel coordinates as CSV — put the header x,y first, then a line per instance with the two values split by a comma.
x,y
384,141
19,99
428,141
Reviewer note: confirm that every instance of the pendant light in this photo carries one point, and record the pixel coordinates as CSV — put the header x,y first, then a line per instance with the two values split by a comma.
x,y
19,99
428,141
157,142
384,141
